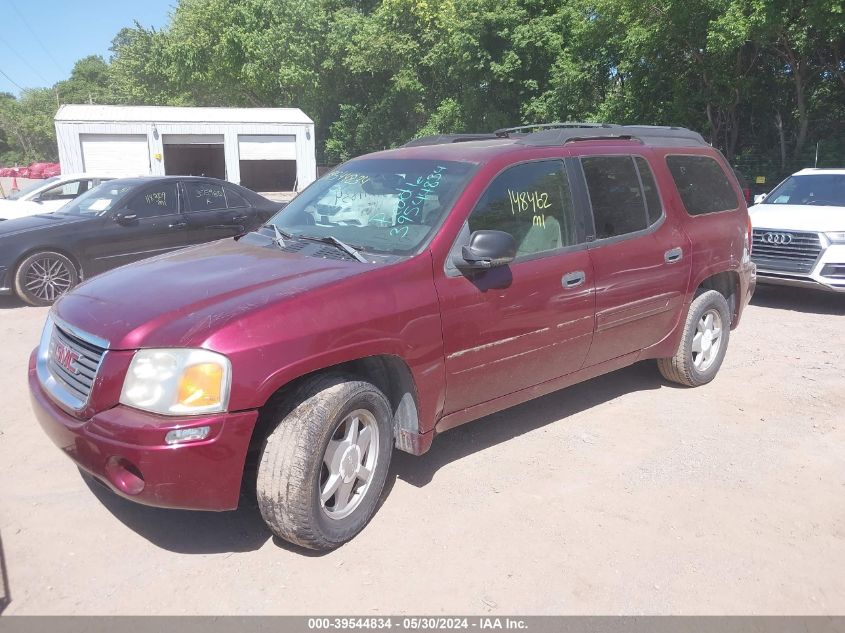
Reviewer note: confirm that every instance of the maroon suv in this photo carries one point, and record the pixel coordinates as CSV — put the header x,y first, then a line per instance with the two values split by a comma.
x,y
405,293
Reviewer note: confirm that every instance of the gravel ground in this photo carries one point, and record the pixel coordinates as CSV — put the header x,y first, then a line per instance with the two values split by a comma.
x,y
623,495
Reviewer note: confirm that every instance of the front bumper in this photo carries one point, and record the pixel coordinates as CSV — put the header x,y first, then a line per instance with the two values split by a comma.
x,y
125,449
827,273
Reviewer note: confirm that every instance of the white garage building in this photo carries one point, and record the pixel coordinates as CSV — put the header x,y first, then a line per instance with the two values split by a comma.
x,y
265,149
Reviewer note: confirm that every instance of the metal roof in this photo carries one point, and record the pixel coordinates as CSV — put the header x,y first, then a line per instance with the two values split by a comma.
x,y
168,114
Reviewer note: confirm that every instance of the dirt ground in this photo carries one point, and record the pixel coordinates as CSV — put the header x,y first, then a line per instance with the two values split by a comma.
x,y
623,495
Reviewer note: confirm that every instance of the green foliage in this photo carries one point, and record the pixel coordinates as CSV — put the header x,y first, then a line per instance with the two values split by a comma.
x,y
764,80
26,125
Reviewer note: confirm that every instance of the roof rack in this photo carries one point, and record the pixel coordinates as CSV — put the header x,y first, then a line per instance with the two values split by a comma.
x,y
560,134
505,132
550,134
442,139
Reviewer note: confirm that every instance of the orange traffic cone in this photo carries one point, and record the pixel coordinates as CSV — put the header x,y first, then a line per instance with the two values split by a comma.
x,y
15,183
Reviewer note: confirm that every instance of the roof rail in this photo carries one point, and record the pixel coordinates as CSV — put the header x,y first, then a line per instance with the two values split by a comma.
x,y
646,134
507,131
550,134
442,139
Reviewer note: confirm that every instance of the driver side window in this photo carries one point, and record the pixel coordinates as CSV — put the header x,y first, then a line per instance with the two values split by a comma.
x,y
161,199
532,202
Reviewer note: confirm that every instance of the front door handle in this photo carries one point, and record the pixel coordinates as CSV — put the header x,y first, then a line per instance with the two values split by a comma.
x,y
673,255
240,218
178,225
573,279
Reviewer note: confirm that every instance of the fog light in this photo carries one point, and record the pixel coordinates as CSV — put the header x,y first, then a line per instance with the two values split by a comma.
x,y
194,434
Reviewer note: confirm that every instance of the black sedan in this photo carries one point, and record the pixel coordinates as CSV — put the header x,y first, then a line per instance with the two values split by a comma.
x,y
121,221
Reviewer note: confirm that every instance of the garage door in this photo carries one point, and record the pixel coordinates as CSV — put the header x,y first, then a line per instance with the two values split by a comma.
x,y
116,154
192,139
267,147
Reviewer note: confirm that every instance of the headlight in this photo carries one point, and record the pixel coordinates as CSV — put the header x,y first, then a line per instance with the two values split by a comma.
x,y
178,381
836,238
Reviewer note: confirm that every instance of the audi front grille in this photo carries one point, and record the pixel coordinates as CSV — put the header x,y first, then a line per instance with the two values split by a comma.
x,y
785,251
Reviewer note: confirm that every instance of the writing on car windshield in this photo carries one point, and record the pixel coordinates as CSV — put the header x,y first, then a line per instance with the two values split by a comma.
x,y
96,201
389,206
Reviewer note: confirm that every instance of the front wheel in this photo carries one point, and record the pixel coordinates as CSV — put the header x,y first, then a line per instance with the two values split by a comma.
x,y
703,344
44,277
323,468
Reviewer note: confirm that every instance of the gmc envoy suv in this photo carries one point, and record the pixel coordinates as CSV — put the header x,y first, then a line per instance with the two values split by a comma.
x,y
402,294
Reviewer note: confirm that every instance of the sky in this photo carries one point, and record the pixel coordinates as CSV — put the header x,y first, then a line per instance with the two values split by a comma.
x,y
40,40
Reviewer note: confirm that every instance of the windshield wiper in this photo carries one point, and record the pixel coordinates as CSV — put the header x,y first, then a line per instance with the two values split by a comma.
x,y
281,235
331,239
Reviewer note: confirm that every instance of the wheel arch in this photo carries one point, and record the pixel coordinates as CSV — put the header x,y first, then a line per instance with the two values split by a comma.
x,y
388,372
727,284
47,248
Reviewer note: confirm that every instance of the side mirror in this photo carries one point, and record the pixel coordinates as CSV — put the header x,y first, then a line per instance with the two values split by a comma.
x,y
486,249
759,198
125,218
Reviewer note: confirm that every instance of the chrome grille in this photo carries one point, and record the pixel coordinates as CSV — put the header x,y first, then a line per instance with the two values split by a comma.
x,y
798,256
84,360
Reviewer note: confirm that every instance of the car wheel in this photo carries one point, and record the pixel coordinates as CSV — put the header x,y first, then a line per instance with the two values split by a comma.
x,y
323,468
704,342
44,277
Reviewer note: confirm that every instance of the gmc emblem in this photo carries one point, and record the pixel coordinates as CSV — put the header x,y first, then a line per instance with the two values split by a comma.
x,y
65,358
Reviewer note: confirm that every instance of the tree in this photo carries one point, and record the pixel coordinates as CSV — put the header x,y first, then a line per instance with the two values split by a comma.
x,y
89,82
27,125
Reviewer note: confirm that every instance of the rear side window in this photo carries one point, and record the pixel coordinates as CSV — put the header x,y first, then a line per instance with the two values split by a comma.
x,y
204,196
615,195
235,199
702,183
533,203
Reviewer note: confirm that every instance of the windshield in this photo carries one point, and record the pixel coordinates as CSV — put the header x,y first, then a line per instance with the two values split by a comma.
x,y
17,195
382,205
819,189
97,201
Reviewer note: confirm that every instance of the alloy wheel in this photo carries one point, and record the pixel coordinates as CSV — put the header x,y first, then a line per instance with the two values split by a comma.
x,y
348,464
48,278
707,340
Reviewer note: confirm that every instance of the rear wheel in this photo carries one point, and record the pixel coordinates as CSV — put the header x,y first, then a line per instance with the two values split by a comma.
x,y
704,342
44,277
323,468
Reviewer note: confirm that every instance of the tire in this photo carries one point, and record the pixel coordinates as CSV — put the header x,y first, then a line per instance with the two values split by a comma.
x,y
692,365
43,277
311,447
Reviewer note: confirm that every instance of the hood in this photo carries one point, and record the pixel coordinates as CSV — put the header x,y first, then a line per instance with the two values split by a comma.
x,y
37,222
11,209
797,217
182,298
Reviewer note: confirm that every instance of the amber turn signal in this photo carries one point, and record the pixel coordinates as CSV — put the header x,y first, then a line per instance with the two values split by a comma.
x,y
201,385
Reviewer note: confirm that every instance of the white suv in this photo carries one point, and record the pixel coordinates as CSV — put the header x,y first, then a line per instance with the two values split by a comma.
x,y
47,196
799,231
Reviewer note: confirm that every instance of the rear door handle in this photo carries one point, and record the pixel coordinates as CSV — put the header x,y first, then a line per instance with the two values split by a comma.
x,y
240,218
178,225
673,255
573,279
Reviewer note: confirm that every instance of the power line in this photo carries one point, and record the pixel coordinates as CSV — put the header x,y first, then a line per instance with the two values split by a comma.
x,y
25,61
12,80
35,36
